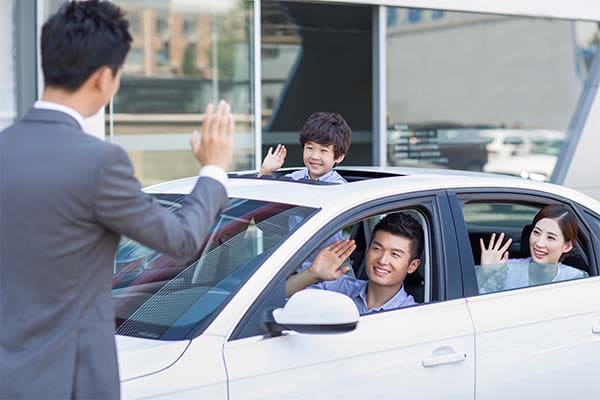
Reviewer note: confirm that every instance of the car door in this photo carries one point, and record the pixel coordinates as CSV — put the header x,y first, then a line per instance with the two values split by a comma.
x,y
425,351
533,342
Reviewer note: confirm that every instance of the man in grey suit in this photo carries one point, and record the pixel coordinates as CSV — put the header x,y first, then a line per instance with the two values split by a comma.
x,y
65,199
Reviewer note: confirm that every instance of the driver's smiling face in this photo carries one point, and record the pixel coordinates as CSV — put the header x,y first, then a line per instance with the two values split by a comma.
x,y
389,259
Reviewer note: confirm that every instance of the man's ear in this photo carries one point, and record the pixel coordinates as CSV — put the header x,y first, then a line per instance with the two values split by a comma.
x,y
414,264
339,159
103,79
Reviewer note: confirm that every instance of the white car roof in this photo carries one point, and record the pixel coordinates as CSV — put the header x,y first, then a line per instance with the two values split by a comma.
x,y
409,180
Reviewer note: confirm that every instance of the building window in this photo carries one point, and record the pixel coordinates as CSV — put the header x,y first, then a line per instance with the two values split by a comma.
x,y
184,55
483,92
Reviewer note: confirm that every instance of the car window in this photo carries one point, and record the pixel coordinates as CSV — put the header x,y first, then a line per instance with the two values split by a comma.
x,y
483,219
514,140
486,214
159,297
416,284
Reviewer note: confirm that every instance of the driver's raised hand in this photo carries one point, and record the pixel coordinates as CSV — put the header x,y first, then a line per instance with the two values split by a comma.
x,y
327,265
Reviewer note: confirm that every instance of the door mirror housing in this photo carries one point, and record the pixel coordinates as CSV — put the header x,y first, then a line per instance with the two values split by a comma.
x,y
314,311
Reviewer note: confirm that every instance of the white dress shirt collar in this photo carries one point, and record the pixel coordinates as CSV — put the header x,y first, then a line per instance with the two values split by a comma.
x,y
49,105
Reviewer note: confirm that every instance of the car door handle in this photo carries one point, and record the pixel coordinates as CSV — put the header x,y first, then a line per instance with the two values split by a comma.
x,y
596,329
445,359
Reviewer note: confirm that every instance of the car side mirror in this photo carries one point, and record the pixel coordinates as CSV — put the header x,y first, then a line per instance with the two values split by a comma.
x,y
314,311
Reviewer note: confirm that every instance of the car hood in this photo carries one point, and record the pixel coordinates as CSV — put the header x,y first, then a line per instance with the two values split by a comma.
x,y
139,357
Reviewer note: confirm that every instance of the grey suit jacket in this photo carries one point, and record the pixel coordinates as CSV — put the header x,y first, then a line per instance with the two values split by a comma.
x,y
65,199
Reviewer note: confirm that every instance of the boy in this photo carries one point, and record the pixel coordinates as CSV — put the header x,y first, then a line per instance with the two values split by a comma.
x,y
325,139
394,251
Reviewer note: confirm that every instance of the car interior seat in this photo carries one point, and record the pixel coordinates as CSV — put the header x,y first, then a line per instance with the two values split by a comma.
x,y
414,283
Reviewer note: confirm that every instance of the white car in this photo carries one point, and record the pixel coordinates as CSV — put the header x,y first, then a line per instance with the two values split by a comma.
x,y
506,143
219,327
538,165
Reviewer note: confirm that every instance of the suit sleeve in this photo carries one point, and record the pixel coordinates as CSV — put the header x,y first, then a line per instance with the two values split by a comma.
x,y
124,208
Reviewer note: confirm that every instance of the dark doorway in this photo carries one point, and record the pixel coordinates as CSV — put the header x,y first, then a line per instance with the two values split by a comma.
x,y
316,57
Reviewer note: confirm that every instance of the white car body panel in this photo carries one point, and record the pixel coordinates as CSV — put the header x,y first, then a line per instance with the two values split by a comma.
x,y
370,362
138,357
533,341
328,196
198,374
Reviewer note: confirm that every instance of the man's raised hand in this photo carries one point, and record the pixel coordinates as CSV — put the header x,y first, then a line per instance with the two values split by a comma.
x,y
215,145
326,265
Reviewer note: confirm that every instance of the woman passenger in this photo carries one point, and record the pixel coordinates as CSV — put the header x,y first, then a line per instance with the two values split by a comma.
x,y
553,235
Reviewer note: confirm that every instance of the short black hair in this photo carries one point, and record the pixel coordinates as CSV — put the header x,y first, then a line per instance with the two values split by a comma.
x,y
327,128
402,224
79,39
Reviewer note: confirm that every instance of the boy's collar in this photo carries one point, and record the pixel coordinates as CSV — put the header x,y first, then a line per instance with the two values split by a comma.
x,y
321,178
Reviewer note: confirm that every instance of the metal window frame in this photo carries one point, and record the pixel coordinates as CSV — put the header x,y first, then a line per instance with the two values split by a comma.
x,y
379,85
26,54
256,84
578,123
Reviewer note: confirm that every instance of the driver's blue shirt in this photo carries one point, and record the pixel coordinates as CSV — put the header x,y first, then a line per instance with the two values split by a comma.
x,y
356,289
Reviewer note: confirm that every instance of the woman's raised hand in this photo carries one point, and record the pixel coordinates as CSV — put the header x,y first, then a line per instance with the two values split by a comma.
x,y
495,252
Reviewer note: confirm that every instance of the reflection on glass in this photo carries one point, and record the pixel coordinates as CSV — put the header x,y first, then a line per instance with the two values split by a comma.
x,y
521,273
483,92
8,107
159,297
184,54
499,215
316,57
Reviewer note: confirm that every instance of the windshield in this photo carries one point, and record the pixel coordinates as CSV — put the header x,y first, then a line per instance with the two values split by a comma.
x,y
159,297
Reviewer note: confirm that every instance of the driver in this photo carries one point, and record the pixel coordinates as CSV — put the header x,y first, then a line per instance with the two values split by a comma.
x,y
394,251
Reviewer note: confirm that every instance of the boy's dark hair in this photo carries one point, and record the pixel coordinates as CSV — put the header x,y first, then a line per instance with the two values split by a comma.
x,y
327,129
401,224
80,38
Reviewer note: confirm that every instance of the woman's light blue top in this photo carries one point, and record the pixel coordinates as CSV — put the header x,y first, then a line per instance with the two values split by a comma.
x,y
516,272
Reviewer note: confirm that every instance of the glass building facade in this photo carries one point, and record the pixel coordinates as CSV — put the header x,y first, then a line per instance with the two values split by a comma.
x,y
419,87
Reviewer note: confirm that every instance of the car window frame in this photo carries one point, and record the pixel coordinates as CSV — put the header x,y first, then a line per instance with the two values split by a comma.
x,y
592,219
459,197
442,257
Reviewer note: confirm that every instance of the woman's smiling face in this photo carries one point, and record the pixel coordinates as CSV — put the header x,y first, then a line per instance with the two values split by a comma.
x,y
547,242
